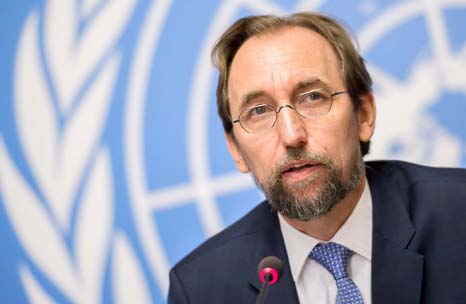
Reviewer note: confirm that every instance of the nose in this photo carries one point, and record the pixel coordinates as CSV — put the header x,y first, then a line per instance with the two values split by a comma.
x,y
291,127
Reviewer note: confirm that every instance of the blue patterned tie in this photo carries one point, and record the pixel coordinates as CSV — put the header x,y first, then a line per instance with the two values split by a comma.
x,y
334,258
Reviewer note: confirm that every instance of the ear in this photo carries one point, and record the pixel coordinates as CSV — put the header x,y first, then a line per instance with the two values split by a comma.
x,y
366,117
236,153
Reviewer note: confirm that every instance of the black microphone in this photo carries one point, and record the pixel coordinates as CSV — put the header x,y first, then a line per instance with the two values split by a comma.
x,y
269,270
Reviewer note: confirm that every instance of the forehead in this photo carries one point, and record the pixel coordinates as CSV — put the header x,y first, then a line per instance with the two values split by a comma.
x,y
276,62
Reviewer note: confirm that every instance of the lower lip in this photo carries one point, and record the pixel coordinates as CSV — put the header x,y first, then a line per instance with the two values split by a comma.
x,y
300,174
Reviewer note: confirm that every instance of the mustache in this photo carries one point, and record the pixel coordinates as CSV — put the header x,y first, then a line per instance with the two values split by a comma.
x,y
300,154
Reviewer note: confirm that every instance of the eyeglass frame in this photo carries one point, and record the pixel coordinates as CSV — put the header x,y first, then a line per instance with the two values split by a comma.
x,y
286,106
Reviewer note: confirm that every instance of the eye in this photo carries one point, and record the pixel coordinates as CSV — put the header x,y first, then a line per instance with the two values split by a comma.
x,y
259,110
313,98
314,95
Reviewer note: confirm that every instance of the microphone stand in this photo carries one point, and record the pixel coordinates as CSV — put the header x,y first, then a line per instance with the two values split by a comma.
x,y
264,288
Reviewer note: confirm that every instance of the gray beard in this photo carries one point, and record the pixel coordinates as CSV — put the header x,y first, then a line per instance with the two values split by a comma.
x,y
286,199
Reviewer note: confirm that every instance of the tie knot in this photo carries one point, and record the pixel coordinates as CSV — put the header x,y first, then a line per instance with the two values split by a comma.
x,y
333,257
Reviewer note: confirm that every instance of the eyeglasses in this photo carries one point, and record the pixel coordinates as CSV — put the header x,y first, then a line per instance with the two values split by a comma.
x,y
262,117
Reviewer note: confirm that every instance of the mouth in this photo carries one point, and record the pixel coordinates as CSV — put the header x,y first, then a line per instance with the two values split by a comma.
x,y
299,170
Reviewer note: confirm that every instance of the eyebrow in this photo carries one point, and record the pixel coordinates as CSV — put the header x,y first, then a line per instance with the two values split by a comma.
x,y
311,83
314,82
250,96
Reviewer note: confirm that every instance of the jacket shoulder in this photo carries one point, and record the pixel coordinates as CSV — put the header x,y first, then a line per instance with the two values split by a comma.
x,y
428,194
255,221
227,261
414,173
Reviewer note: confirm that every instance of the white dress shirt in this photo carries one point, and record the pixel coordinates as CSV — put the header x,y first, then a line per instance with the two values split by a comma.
x,y
314,284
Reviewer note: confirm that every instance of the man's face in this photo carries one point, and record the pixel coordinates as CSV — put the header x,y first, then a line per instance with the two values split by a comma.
x,y
300,162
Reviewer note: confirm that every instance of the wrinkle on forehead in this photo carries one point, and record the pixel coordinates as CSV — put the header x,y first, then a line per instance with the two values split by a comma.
x,y
276,62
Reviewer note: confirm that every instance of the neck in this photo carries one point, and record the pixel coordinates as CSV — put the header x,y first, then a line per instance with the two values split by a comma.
x,y
325,227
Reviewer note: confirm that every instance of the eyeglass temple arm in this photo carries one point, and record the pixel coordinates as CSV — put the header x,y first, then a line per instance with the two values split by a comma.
x,y
340,92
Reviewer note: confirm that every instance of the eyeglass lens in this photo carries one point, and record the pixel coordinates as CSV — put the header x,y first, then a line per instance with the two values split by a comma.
x,y
262,117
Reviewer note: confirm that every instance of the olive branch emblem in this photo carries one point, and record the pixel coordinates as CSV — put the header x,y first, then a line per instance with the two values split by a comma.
x,y
61,206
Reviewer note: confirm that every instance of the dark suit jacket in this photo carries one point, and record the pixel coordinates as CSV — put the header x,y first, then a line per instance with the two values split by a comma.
x,y
418,245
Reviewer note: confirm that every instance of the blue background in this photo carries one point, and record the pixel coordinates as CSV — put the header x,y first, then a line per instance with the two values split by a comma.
x,y
172,72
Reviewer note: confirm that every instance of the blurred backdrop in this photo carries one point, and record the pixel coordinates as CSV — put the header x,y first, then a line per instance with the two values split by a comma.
x,y
112,159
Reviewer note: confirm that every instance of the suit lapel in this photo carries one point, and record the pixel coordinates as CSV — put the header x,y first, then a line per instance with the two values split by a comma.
x,y
270,242
396,271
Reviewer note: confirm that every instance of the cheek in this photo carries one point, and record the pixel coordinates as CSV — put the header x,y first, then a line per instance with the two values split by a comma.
x,y
349,148
260,152
338,138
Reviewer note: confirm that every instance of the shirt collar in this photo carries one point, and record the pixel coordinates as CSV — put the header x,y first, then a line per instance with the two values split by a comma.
x,y
355,234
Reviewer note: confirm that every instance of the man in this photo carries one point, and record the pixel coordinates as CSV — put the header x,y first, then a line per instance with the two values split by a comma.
x,y
296,103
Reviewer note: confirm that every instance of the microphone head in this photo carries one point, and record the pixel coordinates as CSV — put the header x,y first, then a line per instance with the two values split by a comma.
x,y
270,265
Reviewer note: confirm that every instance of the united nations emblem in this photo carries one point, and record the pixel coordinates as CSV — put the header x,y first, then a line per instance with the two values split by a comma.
x,y
114,165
